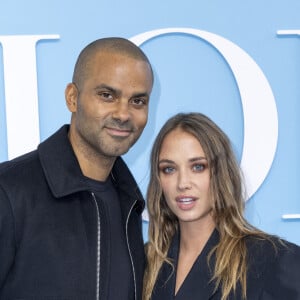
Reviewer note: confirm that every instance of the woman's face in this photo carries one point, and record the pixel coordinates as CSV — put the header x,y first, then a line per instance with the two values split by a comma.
x,y
185,178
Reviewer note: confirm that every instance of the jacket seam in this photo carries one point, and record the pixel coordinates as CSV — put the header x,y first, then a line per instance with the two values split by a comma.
x,y
129,249
98,261
12,214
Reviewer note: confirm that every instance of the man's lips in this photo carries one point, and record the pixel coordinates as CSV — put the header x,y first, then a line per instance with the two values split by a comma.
x,y
119,132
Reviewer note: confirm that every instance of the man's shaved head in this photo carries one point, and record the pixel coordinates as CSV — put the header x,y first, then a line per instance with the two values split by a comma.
x,y
116,45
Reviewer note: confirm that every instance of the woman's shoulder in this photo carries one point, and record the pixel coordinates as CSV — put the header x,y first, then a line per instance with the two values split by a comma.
x,y
273,246
275,263
271,251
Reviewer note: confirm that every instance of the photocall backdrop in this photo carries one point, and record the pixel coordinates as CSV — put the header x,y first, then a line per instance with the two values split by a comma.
x,y
236,61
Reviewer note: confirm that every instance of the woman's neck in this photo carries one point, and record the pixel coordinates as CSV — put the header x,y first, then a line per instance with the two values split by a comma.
x,y
193,238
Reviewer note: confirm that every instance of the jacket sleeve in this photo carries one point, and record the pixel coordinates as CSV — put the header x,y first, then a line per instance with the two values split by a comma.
x,y
284,274
7,237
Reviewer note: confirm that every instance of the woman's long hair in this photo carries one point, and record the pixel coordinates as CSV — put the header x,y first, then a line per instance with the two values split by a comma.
x,y
227,194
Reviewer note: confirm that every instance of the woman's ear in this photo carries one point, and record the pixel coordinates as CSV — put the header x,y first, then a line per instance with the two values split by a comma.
x,y
71,96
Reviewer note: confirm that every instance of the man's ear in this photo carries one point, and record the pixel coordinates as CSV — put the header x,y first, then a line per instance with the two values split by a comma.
x,y
71,96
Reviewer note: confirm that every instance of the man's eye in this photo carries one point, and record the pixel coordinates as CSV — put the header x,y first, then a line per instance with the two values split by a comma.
x,y
139,101
105,95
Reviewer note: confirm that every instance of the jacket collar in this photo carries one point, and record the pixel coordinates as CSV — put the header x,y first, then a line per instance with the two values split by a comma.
x,y
197,284
64,175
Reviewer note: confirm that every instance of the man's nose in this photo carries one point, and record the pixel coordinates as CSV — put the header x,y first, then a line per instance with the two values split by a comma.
x,y
121,111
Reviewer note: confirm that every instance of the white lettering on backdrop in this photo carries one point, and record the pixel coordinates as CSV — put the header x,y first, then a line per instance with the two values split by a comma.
x,y
260,137
20,86
290,33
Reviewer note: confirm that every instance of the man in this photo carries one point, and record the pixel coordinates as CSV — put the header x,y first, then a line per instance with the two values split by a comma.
x,y
70,212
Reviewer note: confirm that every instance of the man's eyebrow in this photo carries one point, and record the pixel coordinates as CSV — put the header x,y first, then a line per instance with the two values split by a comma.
x,y
107,87
140,95
118,91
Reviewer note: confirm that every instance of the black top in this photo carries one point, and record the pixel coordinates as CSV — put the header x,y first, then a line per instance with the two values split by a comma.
x,y
272,275
117,280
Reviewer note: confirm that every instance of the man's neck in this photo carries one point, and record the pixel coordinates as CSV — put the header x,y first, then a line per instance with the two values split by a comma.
x,y
92,164
95,169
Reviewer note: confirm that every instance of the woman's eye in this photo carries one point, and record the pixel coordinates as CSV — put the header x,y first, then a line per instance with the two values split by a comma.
x,y
167,170
199,167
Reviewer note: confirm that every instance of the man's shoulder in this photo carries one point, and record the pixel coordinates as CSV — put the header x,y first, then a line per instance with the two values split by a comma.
x,y
29,161
16,165
20,174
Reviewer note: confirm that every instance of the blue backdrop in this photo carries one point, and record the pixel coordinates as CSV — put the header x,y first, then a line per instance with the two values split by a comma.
x,y
236,61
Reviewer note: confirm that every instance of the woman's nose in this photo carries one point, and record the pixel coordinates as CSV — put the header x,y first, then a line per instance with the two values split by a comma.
x,y
184,182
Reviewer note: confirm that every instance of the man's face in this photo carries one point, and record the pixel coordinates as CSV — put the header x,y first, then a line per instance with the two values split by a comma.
x,y
111,106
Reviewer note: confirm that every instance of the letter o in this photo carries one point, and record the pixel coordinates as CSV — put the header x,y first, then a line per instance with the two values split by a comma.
x,y
259,106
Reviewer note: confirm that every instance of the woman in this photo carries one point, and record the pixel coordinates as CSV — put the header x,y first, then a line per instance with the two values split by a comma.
x,y
200,245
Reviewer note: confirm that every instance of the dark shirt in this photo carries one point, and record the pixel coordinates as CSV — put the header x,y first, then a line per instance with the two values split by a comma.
x,y
116,278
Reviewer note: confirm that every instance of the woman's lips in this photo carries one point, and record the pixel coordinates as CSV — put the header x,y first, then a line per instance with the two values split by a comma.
x,y
186,203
